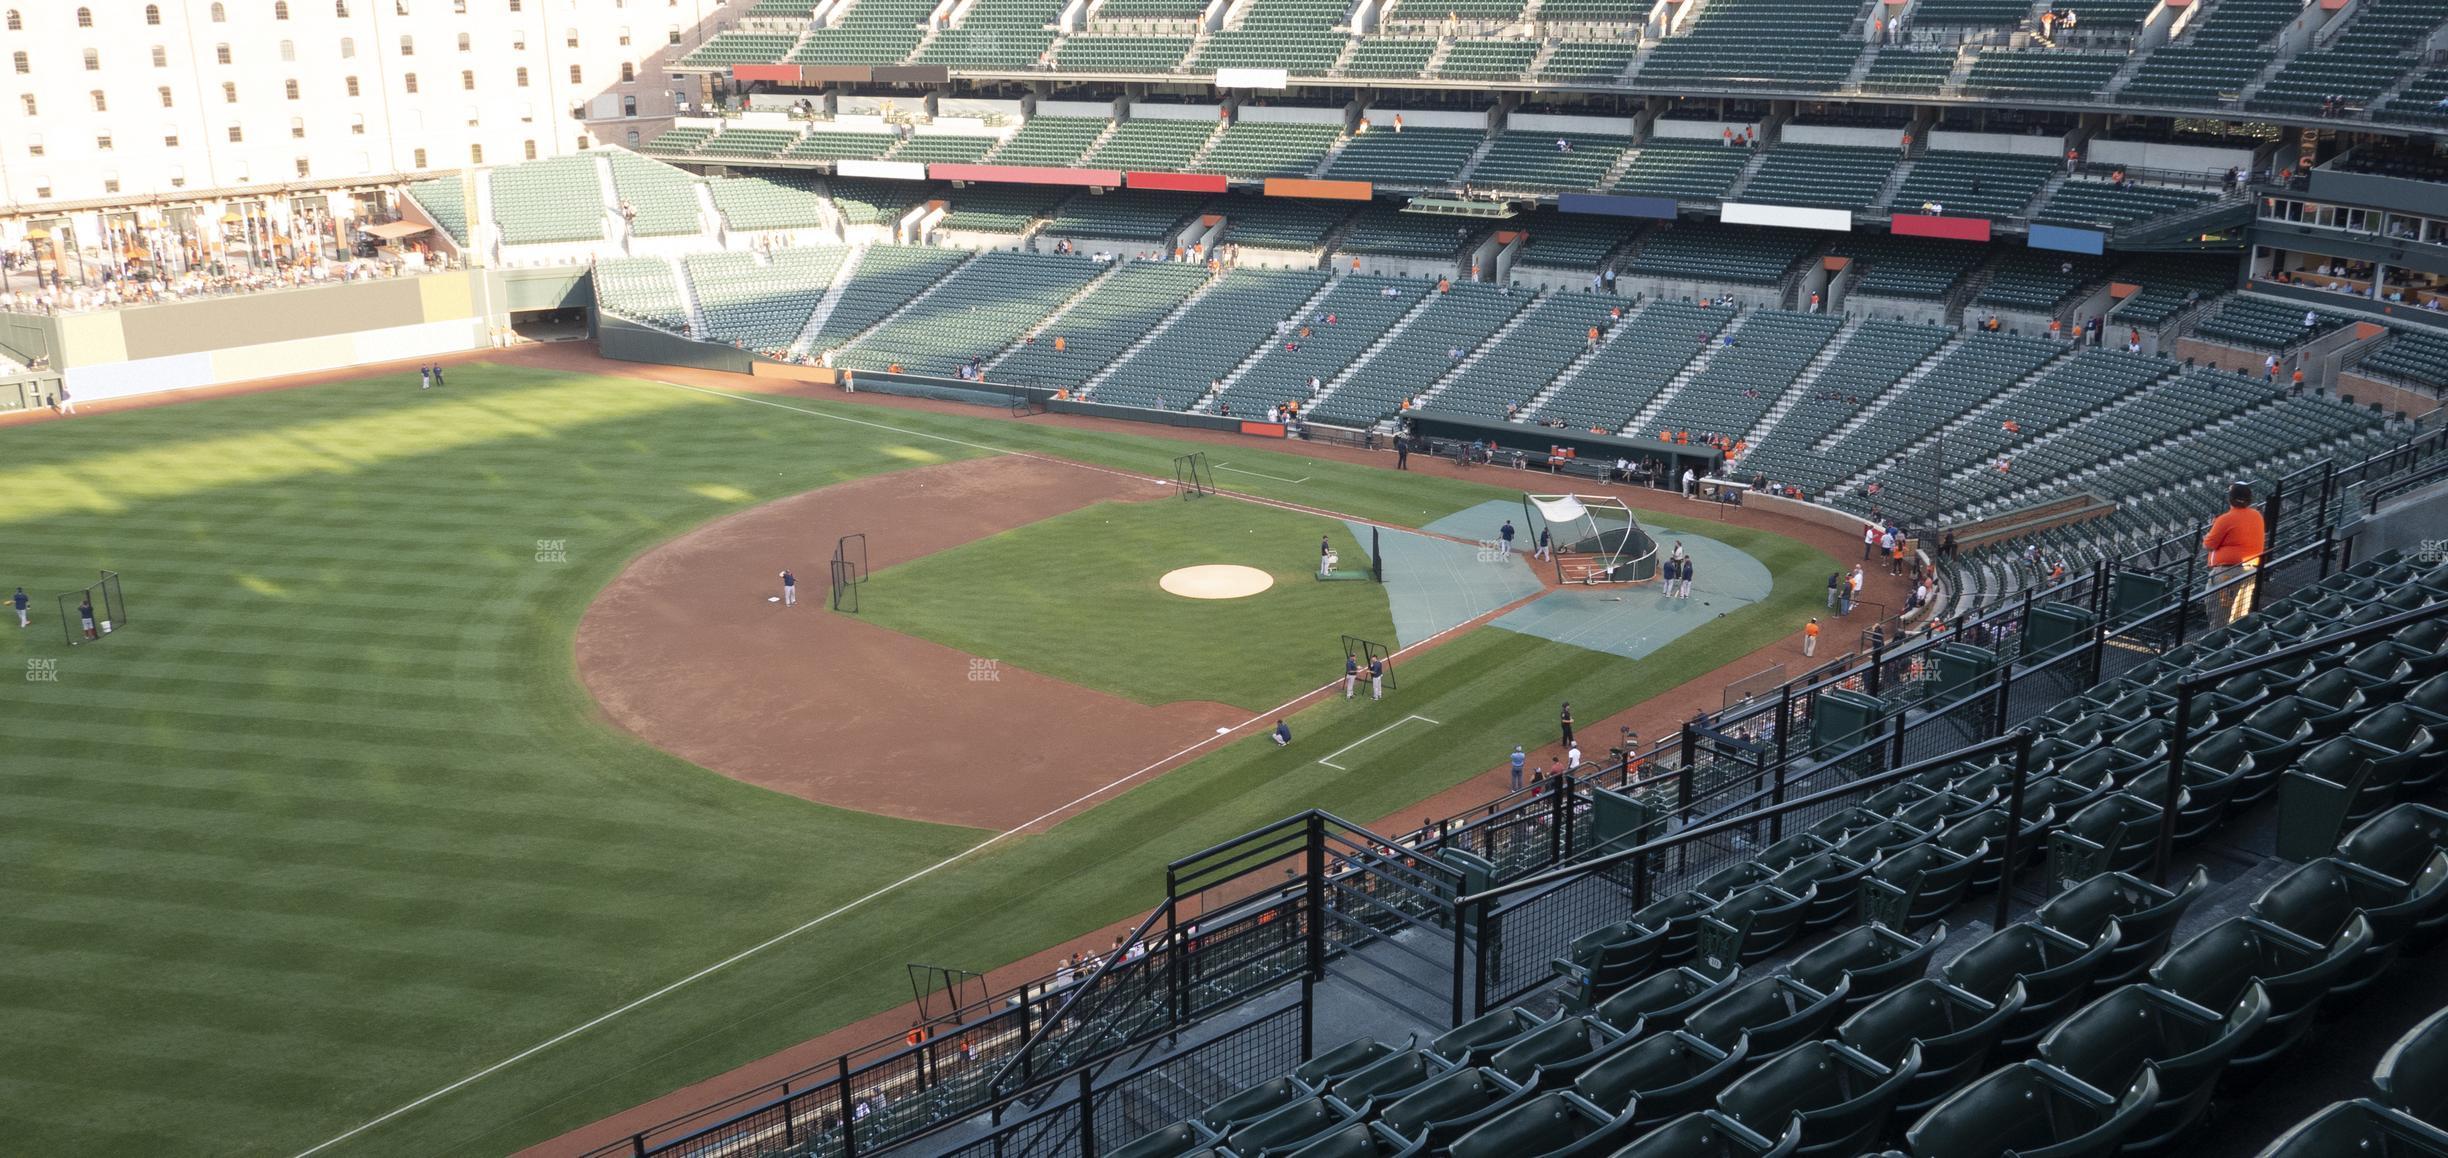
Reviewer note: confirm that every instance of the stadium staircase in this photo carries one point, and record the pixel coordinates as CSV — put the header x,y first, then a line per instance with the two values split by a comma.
x,y
1641,420
1580,362
688,296
1477,353
1986,408
1367,353
1308,306
1803,382
1470,164
1163,324
825,305
1750,169
1870,412
1054,317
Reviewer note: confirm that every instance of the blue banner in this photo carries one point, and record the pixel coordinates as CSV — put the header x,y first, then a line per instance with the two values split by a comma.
x,y
1662,208
2069,240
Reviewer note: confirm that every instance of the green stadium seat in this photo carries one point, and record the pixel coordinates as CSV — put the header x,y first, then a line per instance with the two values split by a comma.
x,y
1390,1078
1661,1076
1842,1097
1709,1134
1873,959
1600,963
1451,1106
2214,968
1290,1127
2359,1127
1662,1000
1772,1013
2412,1076
1254,1104
1473,1042
2032,1111
1553,1054
1557,1124
1954,1032
1750,924
1917,885
1359,1140
2144,914
2054,972
2112,1041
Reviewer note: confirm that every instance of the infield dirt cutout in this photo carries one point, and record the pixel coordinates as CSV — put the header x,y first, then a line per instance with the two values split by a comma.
x,y
683,650
1216,581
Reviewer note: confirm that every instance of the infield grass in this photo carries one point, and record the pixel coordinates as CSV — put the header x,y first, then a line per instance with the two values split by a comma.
x,y
331,824
1077,597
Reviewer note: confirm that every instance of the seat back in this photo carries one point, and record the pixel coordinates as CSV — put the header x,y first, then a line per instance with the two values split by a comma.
x,y
1664,999
1661,1077
2413,1075
1773,1012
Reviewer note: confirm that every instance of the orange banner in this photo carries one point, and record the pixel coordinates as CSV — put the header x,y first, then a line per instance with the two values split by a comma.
x,y
1319,190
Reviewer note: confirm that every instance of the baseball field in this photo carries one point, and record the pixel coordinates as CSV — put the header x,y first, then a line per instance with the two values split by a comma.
x,y
455,778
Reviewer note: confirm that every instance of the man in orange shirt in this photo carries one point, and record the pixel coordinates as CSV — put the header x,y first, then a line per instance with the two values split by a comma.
x,y
1810,638
2235,542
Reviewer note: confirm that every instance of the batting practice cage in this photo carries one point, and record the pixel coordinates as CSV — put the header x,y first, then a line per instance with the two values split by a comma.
x,y
1192,476
1364,650
849,571
109,609
1597,540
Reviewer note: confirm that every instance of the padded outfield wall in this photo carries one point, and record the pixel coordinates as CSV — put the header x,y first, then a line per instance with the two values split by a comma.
x,y
212,341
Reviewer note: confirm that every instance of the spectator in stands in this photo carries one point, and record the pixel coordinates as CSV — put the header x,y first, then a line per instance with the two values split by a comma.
x,y
2235,542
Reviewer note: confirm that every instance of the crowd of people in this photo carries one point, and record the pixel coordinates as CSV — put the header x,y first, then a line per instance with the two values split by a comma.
x,y
145,286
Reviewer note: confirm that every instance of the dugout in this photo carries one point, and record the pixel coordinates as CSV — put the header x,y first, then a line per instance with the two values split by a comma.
x,y
1593,455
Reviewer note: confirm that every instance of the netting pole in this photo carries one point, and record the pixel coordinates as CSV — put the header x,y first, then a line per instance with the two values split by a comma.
x,y
1377,554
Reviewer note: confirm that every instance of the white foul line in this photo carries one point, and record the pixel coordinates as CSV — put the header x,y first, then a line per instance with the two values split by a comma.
x,y
1328,759
1276,477
929,870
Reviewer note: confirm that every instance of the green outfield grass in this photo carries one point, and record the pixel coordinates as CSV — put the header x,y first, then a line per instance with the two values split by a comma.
x,y
331,825
1076,597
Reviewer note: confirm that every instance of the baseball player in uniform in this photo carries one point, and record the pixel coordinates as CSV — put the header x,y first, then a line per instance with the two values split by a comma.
x,y
790,590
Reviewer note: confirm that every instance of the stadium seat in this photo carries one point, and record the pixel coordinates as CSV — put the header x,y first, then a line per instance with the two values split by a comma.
x,y
1443,1110
2145,916
1290,1127
2053,970
2110,1042
1344,1060
1390,1078
2412,1076
1954,1032
1359,1140
2214,968
1602,962
1554,1053
1750,924
1253,1104
1473,1042
1872,959
1914,887
1662,1076
2321,898
1662,1000
1771,1013
1841,1096
2361,1126
1557,1124
2032,1111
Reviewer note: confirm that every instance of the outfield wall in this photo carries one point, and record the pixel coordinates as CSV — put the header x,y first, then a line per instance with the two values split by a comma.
x,y
182,345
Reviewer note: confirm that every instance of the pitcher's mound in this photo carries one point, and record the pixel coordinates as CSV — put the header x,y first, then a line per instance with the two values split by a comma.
x,y
1216,581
